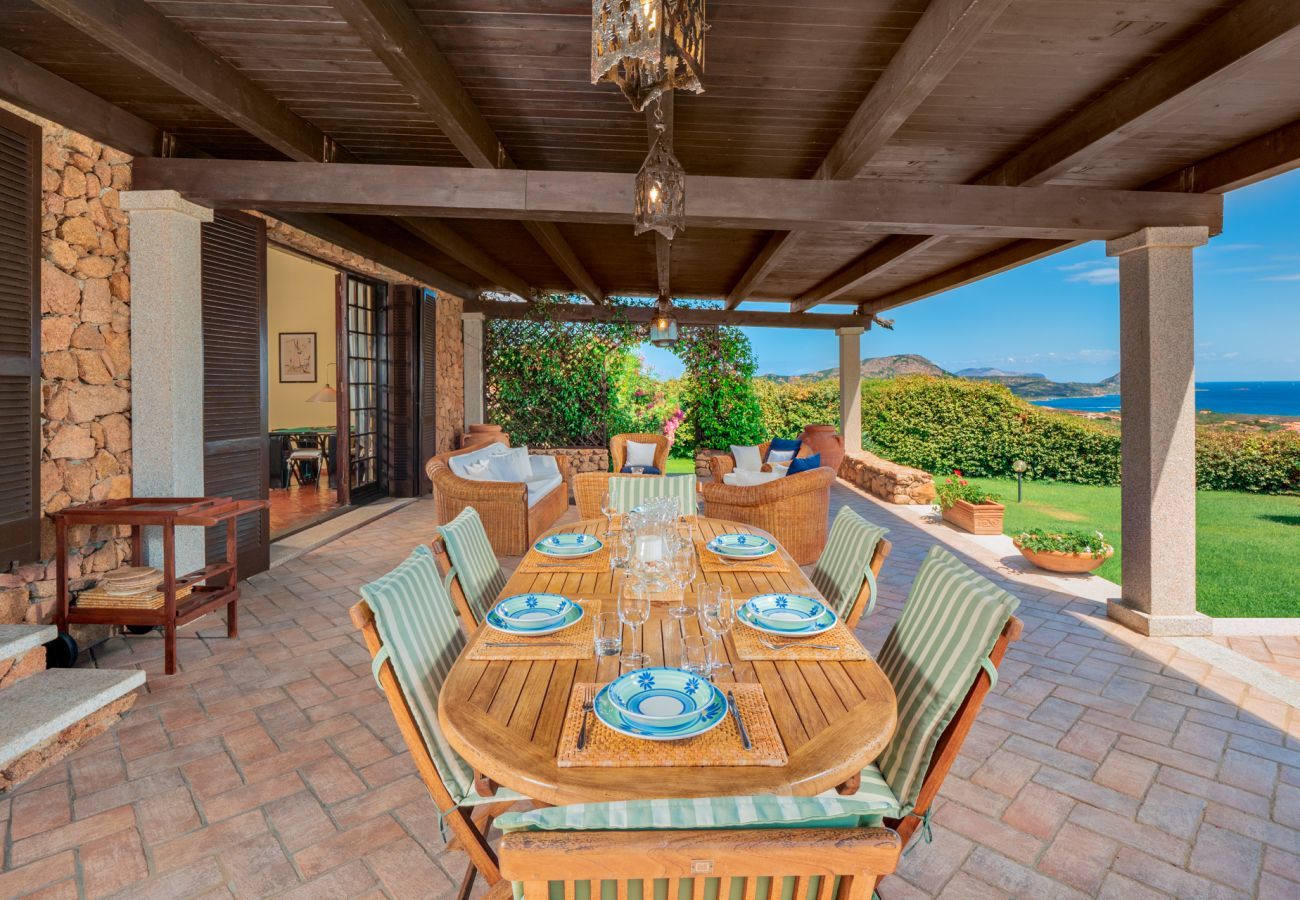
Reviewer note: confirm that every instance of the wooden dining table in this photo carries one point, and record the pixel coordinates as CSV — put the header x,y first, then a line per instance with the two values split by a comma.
x,y
504,717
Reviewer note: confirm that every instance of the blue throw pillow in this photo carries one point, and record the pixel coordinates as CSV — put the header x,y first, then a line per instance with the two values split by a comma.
x,y
804,464
791,444
645,470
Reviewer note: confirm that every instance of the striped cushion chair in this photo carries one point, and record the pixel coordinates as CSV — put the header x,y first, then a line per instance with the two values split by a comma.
x,y
761,847
941,657
630,492
847,569
411,631
471,572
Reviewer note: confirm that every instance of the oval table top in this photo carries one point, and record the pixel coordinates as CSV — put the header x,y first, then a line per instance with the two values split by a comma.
x,y
504,716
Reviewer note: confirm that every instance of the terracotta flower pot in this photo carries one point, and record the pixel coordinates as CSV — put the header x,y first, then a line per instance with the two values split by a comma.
x,y
1066,563
824,439
977,518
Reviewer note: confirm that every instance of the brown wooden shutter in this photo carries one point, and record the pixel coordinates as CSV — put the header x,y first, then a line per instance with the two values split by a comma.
x,y
400,389
20,353
235,442
427,399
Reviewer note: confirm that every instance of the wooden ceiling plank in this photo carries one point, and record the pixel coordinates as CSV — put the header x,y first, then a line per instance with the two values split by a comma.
x,y
582,312
393,33
887,254
449,241
867,207
940,38
1263,157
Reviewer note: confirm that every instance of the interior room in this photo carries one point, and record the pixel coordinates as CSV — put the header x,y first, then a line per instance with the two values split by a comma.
x,y
302,396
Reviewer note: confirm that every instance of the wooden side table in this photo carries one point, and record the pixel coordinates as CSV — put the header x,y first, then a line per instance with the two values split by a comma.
x,y
211,586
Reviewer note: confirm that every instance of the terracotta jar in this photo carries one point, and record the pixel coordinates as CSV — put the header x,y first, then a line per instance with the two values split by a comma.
x,y
479,434
824,439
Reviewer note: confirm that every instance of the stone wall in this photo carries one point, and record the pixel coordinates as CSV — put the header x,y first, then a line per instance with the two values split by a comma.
x,y
581,459
451,373
887,480
85,360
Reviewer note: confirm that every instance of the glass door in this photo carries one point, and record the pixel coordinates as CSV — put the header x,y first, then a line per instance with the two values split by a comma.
x,y
363,345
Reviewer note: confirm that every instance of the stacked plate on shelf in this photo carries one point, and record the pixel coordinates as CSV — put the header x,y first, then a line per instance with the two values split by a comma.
x,y
130,580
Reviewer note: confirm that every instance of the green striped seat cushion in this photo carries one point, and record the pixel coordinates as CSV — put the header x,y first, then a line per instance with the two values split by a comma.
x,y
846,561
629,493
949,625
474,563
417,623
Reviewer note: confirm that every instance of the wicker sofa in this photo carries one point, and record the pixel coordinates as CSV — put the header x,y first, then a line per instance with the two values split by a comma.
x,y
725,463
618,450
511,521
794,509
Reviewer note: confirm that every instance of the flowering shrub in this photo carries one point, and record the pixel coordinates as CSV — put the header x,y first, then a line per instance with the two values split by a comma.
x,y
955,487
1092,543
672,423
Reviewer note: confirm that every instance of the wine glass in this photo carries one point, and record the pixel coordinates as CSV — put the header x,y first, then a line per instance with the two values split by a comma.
x,y
682,563
634,611
717,615
608,509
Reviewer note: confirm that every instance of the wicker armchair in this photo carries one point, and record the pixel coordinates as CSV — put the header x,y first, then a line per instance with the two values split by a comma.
x,y
589,489
618,450
511,524
794,509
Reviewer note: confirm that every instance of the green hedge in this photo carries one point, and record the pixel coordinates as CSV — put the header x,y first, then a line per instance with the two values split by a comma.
x,y
787,408
1260,462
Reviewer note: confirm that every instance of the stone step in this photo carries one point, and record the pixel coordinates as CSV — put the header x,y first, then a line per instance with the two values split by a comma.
x,y
40,707
15,640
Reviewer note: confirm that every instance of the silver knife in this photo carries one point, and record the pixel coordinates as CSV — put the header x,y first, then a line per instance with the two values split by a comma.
x,y
740,725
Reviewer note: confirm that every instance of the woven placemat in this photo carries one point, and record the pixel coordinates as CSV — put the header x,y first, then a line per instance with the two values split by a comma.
x,y
711,562
99,599
578,638
535,563
749,646
719,747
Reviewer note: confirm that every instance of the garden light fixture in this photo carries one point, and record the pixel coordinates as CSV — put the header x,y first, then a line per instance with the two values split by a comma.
x,y
1019,467
663,329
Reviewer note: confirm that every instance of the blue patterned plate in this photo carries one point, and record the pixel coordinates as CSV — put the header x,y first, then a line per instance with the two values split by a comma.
x,y
527,615
661,697
741,546
616,719
800,623
786,612
568,544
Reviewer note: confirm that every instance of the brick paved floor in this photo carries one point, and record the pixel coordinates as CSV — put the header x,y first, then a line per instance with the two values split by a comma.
x,y
1106,764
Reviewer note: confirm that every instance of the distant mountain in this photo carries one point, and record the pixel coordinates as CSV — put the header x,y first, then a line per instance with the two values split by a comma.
x,y
987,372
872,367
1030,385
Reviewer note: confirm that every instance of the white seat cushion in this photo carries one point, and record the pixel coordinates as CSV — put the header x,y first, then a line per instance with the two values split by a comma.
x,y
749,479
472,464
541,485
780,456
748,459
512,466
640,454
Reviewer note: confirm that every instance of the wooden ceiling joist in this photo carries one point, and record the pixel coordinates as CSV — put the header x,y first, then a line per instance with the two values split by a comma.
x,y
944,33
392,32
1171,82
581,312
867,207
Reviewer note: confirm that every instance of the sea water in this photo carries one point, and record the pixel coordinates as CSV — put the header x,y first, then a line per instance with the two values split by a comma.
x,y
1255,398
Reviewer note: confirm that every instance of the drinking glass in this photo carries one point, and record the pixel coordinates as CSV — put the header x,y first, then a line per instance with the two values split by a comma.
x,y
620,549
633,611
609,634
695,655
608,509
717,615
682,562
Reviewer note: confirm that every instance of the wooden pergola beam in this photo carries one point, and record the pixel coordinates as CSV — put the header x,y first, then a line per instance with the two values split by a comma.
x,y
887,254
1263,157
941,37
395,36
581,312
868,207
449,241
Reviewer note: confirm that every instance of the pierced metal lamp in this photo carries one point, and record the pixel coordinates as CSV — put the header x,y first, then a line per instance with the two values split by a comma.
x,y
663,327
660,202
647,47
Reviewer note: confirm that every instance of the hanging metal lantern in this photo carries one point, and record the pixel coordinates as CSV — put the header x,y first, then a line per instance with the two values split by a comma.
x,y
660,190
647,47
663,327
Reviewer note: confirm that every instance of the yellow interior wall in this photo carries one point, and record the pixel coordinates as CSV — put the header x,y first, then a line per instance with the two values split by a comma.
x,y
299,297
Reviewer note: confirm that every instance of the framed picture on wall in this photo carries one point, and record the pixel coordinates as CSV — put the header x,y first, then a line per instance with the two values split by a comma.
x,y
298,356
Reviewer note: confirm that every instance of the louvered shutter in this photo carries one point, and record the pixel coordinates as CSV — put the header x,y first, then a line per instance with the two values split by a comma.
x,y
20,357
235,441
400,389
427,399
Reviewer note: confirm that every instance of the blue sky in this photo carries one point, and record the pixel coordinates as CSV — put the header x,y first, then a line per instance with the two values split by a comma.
x,y
1060,316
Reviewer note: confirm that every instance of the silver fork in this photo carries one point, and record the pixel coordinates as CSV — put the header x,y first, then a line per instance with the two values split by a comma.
x,y
582,732
786,646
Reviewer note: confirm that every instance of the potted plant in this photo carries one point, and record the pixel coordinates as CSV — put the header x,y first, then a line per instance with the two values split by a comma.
x,y
1071,552
968,507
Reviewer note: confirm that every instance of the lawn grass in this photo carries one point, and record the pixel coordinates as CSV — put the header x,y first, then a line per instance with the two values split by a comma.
x,y
1247,545
681,466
